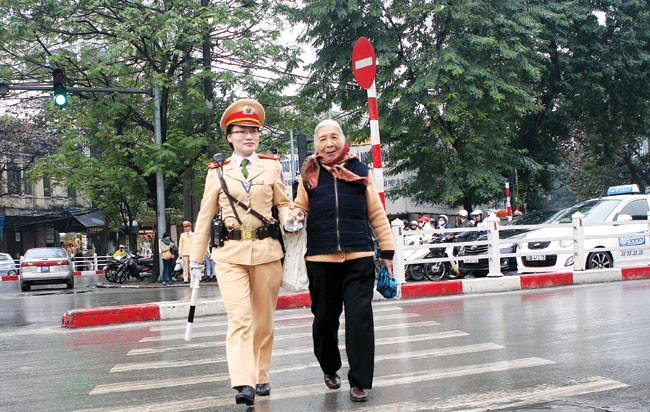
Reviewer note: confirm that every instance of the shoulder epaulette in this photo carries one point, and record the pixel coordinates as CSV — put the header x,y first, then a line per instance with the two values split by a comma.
x,y
269,156
215,165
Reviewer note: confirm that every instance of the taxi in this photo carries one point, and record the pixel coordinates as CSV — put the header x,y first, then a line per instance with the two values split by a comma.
x,y
618,245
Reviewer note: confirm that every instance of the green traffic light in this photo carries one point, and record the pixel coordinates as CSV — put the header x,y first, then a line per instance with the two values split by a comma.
x,y
60,100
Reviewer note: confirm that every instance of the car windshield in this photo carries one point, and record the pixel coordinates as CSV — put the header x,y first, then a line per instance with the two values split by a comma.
x,y
5,257
593,210
45,253
535,218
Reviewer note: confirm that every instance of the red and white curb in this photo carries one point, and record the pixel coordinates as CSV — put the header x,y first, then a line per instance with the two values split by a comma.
x,y
78,318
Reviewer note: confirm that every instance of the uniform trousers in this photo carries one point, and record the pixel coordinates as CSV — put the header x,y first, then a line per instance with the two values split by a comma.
x,y
250,294
331,286
186,268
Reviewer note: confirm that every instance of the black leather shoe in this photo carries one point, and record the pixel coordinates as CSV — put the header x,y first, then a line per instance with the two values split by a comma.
x,y
358,394
332,381
263,389
245,395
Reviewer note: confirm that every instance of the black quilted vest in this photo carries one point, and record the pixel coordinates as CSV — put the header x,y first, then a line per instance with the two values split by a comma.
x,y
338,214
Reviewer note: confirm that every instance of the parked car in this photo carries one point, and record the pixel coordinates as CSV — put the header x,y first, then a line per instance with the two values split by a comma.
x,y
8,266
44,266
623,203
480,267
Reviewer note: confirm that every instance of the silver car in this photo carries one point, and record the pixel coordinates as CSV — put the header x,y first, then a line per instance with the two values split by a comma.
x,y
7,265
44,266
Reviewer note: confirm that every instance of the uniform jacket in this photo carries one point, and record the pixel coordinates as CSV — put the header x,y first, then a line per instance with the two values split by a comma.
x,y
185,243
266,189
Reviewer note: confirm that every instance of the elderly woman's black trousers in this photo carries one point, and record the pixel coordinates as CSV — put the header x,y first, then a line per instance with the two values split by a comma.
x,y
333,286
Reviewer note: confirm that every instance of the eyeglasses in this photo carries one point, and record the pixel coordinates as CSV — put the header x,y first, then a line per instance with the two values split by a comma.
x,y
252,132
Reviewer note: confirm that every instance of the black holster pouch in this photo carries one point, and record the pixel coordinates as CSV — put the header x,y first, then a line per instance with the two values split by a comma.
x,y
218,232
274,229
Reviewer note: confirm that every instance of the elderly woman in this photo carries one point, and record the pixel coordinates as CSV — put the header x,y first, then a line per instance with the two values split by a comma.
x,y
338,197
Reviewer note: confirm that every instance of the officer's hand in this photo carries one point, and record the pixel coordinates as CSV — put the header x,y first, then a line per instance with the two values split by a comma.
x,y
292,225
196,271
297,215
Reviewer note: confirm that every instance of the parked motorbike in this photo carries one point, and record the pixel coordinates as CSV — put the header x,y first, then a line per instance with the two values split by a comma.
x,y
431,270
111,268
131,266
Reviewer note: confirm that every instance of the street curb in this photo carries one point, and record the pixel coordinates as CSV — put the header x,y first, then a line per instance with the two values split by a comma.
x,y
78,318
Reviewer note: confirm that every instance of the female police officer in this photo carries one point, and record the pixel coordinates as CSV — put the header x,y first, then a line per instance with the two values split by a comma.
x,y
248,263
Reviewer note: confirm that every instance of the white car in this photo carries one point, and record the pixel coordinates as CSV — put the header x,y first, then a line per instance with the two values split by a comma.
x,y
44,266
618,206
7,265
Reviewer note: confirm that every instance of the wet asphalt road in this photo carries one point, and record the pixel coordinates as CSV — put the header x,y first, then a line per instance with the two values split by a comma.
x,y
569,349
44,305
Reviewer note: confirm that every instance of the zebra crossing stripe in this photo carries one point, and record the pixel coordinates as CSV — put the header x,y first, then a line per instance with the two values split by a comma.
x,y
310,390
436,352
181,336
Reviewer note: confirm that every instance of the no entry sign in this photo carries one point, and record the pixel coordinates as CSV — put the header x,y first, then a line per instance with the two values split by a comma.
x,y
364,62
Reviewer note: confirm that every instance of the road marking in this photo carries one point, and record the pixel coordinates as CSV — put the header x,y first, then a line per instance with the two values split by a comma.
x,y
302,390
481,402
280,328
379,341
299,315
427,353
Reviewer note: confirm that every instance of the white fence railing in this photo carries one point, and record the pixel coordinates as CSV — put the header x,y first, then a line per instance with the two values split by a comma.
x,y
82,263
575,234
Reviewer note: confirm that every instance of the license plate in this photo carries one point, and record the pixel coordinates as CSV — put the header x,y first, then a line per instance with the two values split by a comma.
x,y
471,260
536,258
45,268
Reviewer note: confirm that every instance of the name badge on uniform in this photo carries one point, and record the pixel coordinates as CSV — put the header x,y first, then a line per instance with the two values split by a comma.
x,y
257,182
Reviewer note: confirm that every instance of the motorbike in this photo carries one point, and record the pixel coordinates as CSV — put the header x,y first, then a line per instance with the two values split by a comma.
x,y
431,270
131,266
110,270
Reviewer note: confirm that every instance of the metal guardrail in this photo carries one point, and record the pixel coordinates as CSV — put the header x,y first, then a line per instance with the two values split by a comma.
x,y
494,243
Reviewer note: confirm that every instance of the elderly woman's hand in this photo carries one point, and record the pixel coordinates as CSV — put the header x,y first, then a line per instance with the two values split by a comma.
x,y
389,265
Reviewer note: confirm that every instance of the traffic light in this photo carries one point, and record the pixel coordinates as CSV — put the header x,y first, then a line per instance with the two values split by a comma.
x,y
305,148
58,81
4,88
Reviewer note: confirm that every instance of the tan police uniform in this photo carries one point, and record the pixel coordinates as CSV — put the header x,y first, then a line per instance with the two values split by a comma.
x,y
249,270
185,248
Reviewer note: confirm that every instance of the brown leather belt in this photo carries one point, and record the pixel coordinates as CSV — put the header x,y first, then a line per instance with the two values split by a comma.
x,y
261,232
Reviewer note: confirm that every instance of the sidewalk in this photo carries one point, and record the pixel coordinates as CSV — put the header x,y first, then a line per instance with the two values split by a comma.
x,y
79,318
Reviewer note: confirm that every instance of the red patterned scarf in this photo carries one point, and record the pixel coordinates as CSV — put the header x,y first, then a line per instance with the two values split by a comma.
x,y
311,168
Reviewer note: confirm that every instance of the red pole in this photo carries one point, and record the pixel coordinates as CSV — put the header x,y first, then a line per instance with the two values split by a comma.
x,y
508,205
377,163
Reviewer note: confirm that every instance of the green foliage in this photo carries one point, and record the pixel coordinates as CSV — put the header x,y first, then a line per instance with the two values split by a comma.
x,y
202,55
474,91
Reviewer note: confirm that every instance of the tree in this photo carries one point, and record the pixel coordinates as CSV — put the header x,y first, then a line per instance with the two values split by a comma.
x,y
471,91
22,143
201,54
452,85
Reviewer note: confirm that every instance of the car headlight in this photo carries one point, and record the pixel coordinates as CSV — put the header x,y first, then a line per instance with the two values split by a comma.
x,y
566,242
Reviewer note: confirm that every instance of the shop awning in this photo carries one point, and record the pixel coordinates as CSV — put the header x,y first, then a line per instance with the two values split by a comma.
x,y
87,219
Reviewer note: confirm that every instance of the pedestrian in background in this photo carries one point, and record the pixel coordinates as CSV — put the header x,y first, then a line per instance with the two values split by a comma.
x,y
185,247
248,263
343,209
165,245
209,275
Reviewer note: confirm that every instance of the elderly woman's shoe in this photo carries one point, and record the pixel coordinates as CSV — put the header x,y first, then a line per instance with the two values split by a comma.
x,y
332,381
358,394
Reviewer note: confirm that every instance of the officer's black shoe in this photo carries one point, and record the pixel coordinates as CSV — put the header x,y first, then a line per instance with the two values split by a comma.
x,y
263,389
245,395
